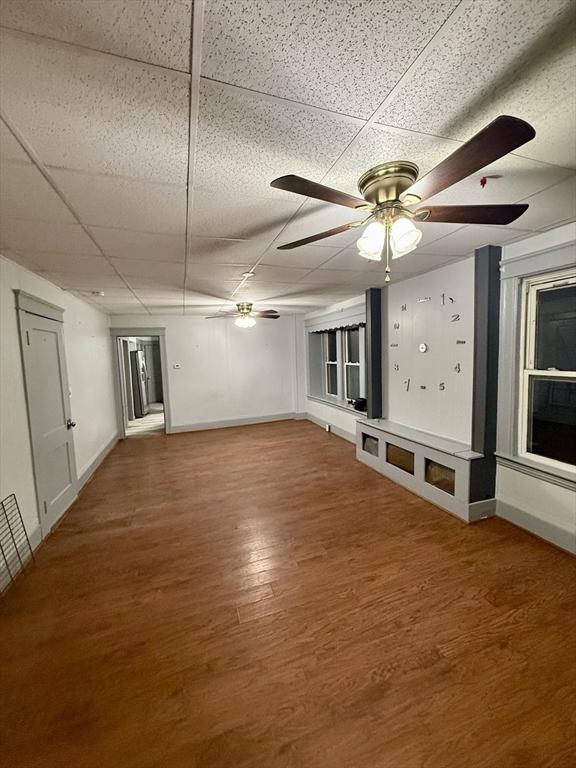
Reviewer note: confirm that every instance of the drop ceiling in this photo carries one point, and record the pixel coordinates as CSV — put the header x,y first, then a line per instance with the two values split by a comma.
x,y
138,139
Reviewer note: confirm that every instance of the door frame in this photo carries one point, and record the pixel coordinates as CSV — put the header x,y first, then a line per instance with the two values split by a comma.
x,y
117,333
27,304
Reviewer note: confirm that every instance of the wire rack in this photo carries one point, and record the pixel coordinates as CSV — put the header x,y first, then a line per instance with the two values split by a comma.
x,y
15,550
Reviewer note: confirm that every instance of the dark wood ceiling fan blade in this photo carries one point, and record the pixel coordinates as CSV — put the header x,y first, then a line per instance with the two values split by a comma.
x,y
264,312
501,136
473,214
301,186
266,315
320,236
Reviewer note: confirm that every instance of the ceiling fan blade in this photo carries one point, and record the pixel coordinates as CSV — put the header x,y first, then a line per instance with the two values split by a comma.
x,y
268,317
222,314
301,186
497,139
472,214
320,235
267,313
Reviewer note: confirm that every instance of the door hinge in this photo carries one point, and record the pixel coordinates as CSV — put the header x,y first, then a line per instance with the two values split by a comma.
x,y
27,338
45,508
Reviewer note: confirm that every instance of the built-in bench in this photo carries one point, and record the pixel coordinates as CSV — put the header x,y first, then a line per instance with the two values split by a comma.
x,y
446,472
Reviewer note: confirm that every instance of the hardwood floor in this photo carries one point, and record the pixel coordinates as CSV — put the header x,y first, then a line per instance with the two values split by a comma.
x,y
256,598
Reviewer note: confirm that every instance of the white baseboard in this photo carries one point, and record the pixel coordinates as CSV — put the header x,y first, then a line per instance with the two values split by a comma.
x,y
85,476
335,430
222,424
542,528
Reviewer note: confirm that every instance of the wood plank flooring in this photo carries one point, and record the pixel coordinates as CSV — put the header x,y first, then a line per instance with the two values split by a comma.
x,y
256,598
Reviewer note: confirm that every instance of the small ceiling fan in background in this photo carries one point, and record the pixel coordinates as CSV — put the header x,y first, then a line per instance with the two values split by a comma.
x,y
391,190
246,315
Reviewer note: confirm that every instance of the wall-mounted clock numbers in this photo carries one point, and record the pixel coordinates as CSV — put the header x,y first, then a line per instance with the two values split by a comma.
x,y
458,368
455,318
442,386
396,367
396,326
423,347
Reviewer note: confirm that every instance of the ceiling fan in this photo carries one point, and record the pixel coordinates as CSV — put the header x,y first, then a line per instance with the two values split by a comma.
x,y
391,190
245,315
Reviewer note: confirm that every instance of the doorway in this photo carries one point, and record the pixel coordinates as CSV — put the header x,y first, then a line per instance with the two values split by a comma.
x,y
141,382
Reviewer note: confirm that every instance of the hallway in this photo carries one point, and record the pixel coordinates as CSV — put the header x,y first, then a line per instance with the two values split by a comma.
x,y
255,598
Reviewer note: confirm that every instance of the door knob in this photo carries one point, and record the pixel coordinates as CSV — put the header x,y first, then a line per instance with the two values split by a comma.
x,y
70,424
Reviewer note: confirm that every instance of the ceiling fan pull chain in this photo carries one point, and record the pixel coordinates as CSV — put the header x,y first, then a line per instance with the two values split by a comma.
x,y
387,238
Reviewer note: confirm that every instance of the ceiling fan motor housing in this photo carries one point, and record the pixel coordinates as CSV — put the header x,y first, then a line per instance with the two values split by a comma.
x,y
387,182
244,307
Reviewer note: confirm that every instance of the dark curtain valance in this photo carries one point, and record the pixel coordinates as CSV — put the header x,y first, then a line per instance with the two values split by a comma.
x,y
340,328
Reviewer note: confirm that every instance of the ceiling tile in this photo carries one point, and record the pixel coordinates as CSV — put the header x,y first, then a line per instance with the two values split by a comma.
x,y
215,272
148,269
97,113
346,59
128,244
217,250
467,239
27,235
329,277
25,193
304,257
78,283
67,262
238,217
551,207
519,177
245,140
146,30
10,148
151,284
135,205
495,58
275,274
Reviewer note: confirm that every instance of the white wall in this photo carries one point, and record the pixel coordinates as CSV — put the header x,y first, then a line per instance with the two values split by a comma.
x,y
226,373
89,363
431,303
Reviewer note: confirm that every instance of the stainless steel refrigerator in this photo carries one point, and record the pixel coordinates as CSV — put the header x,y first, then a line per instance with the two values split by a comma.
x,y
139,378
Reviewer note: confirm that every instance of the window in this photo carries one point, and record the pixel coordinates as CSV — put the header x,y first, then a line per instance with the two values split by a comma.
x,y
352,363
331,362
547,418
336,364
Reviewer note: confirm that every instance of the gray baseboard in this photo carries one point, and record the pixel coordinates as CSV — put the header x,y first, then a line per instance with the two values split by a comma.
x,y
542,528
202,425
95,463
35,538
335,430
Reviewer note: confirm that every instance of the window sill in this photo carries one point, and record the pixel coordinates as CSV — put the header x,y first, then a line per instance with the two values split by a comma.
x,y
342,405
554,475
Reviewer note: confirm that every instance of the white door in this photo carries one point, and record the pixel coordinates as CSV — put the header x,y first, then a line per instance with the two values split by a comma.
x,y
51,425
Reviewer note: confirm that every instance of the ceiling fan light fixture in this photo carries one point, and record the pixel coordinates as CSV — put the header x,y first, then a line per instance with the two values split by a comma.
x,y
404,237
371,244
245,321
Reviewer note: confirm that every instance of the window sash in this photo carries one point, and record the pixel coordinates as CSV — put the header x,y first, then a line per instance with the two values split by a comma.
x,y
528,371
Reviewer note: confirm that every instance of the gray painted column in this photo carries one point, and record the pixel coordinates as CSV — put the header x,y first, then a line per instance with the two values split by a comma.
x,y
485,383
374,353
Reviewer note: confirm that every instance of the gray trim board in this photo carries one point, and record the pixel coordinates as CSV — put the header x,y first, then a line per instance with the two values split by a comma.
x,y
485,381
374,352
333,429
86,476
554,476
333,404
541,528
35,306
224,423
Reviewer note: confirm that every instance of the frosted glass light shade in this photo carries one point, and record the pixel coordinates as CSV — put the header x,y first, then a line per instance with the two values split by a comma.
x,y
245,321
371,244
404,237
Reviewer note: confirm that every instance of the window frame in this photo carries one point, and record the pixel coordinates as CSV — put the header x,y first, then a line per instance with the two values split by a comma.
x,y
342,362
532,287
